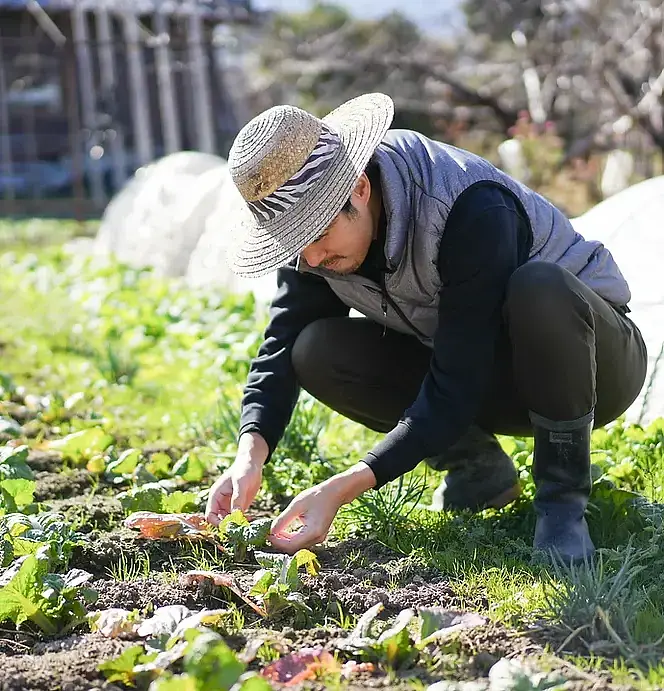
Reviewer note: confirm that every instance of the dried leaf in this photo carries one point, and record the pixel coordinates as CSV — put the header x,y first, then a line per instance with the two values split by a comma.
x,y
164,621
157,526
295,668
114,622
221,579
193,577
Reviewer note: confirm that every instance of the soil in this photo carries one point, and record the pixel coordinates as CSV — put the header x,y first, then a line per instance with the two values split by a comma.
x,y
61,485
68,664
89,513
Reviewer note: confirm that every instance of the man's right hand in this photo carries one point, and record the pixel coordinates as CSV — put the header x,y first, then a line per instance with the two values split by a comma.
x,y
239,484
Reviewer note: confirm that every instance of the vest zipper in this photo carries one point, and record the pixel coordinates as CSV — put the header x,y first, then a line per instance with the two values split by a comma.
x,y
387,299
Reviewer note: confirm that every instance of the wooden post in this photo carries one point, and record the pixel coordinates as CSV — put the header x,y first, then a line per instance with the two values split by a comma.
x,y
109,89
138,88
6,166
74,127
168,107
201,83
87,95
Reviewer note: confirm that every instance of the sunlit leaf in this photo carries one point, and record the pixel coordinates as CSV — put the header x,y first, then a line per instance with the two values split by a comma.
x,y
163,622
190,467
16,494
125,463
114,622
122,668
81,445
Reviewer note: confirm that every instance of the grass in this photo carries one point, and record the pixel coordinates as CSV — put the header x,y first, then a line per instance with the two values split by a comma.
x,y
155,363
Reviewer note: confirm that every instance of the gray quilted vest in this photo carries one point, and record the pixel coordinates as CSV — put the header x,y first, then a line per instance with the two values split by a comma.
x,y
421,179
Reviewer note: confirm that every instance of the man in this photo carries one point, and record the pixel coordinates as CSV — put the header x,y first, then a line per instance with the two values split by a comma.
x,y
485,313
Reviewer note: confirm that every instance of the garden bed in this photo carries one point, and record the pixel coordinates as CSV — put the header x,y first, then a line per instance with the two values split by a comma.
x,y
119,393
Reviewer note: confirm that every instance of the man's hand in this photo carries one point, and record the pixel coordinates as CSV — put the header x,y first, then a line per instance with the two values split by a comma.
x,y
315,509
239,484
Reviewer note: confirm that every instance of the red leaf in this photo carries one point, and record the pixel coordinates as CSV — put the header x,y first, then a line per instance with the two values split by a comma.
x,y
168,525
295,668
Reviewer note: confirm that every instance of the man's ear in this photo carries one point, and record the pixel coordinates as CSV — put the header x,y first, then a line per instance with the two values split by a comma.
x,y
363,189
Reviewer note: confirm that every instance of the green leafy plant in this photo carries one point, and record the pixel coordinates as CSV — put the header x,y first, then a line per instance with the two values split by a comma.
x,y
156,498
207,662
16,495
52,602
278,582
241,535
17,484
28,534
395,645
190,467
80,447
13,463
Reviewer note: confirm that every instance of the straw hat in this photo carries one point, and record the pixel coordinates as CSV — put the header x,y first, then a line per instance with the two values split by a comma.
x,y
295,172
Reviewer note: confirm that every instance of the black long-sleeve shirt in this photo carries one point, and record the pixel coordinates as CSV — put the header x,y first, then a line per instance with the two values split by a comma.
x,y
487,236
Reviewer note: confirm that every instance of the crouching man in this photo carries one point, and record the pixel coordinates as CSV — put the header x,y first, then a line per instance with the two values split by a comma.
x,y
484,313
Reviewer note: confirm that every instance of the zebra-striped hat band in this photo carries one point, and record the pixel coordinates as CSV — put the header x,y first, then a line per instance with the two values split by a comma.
x,y
284,197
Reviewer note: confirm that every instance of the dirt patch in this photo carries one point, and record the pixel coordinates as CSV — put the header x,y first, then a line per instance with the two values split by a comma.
x,y
357,591
13,642
143,593
68,664
355,553
109,549
44,461
61,485
90,513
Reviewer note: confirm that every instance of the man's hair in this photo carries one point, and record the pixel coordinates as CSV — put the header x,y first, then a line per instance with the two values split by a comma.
x,y
373,174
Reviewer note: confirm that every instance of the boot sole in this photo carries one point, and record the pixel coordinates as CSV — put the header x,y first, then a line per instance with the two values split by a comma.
x,y
505,498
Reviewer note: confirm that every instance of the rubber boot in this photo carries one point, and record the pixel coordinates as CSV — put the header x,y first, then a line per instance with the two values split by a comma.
x,y
561,471
480,474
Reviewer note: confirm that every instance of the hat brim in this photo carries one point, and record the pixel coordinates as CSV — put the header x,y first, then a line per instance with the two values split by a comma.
x,y
256,249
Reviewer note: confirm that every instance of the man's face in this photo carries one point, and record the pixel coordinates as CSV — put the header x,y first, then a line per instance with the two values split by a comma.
x,y
343,246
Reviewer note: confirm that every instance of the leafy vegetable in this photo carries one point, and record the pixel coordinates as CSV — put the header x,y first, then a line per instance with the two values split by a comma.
x,y
122,668
28,534
155,498
190,467
208,663
13,463
16,494
125,463
278,581
240,534
10,427
81,446
50,601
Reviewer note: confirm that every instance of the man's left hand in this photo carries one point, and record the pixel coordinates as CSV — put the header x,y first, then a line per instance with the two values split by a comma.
x,y
315,509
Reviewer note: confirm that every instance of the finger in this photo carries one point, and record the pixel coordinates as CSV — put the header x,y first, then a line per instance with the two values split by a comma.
x,y
285,518
218,506
238,499
295,541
